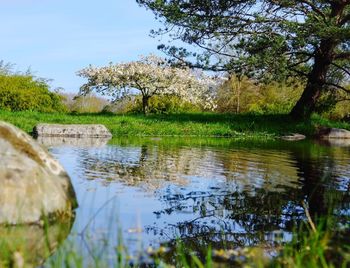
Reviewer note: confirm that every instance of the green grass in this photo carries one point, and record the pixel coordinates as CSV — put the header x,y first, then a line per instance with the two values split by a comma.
x,y
188,124
314,249
308,248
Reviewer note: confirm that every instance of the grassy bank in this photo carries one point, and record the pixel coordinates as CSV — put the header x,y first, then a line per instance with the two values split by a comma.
x,y
191,124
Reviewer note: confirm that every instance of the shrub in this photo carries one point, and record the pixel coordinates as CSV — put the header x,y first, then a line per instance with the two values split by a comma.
x,y
124,105
277,98
241,95
340,111
165,104
84,104
335,105
19,92
237,95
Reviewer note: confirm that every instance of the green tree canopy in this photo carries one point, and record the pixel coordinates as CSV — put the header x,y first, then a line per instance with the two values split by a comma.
x,y
270,39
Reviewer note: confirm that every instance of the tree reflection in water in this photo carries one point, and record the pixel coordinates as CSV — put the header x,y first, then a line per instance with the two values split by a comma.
x,y
229,194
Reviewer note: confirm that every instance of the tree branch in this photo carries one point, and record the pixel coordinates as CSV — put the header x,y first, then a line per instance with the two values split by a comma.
x,y
338,86
300,62
314,8
300,72
341,68
214,50
342,56
345,19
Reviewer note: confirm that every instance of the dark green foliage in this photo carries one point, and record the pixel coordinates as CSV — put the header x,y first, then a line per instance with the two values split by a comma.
x,y
270,40
25,93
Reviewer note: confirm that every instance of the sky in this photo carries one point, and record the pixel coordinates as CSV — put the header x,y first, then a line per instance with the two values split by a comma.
x,y
56,38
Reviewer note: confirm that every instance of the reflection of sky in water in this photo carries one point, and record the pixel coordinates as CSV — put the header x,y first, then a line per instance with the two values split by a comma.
x,y
170,192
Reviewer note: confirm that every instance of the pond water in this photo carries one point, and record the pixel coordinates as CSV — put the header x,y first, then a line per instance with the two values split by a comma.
x,y
232,193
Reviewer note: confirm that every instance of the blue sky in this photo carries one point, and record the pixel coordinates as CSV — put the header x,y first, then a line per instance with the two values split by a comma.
x,y
55,38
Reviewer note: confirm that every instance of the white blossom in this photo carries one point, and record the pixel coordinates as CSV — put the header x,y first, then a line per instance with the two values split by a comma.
x,y
150,75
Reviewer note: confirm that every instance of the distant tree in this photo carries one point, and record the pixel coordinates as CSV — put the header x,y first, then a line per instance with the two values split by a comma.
x,y
273,39
237,94
151,76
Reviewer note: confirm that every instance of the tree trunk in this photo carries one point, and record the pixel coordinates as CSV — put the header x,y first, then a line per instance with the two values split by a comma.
x,y
238,95
317,79
145,100
316,82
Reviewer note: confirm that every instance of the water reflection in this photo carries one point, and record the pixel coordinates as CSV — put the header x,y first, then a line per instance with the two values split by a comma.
x,y
31,244
73,141
325,179
223,192
336,142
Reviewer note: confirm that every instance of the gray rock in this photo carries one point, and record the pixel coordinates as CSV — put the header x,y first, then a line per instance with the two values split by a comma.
x,y
335,142
58,130
33,185
72,141
293,137
333,133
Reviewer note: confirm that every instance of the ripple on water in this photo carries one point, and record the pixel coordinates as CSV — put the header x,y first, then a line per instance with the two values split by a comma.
x,y
243,194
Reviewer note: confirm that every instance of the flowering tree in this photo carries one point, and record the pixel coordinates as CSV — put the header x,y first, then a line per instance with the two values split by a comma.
x,y
150,75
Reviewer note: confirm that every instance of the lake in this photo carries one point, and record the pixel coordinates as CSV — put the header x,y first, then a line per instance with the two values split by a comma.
x,y
149,192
